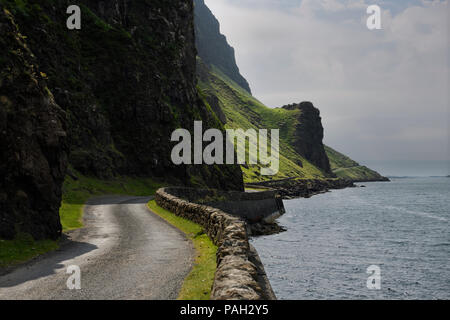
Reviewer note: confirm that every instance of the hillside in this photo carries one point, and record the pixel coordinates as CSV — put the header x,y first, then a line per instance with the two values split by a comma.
x,y
241,110
213,47
302,152
344,167
103,100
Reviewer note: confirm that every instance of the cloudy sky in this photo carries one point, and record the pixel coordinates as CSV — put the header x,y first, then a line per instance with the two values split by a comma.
x,y
383,94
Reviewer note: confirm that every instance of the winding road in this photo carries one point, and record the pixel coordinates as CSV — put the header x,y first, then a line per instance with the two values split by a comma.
x,y
124,252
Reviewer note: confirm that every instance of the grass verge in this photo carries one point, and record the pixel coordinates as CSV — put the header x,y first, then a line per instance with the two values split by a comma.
x,y
198,284
75,194
22,249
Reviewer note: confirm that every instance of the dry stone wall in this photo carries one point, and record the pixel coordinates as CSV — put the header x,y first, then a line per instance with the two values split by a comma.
x,y
237,277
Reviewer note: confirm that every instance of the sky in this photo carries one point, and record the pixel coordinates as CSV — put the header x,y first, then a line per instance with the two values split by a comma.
x,y
383,94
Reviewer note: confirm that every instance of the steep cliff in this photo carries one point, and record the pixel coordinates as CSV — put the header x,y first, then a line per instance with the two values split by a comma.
x,y
308,135
241,110
33,144
124,82
213,47
302,152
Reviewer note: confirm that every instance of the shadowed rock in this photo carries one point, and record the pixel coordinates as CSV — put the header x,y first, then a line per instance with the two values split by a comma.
x,y
33,155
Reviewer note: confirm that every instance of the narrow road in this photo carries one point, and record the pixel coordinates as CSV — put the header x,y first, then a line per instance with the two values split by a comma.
x,y
124,252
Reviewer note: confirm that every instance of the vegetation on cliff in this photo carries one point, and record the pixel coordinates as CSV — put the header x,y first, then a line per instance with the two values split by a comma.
x,y
104,100
344,167
302,152
126,80
213,47
242,110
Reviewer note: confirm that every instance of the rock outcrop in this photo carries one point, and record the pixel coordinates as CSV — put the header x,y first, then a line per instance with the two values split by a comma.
x,y
304,188
300,127
308,136
127,80
33,146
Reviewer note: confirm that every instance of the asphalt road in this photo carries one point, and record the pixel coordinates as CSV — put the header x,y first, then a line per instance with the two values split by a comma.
x,y
125,252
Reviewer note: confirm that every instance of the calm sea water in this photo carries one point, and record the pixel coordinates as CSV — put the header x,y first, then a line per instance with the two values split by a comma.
x,y
403,227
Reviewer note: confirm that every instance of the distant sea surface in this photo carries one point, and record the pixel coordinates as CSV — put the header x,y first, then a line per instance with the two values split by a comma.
x,y
402,226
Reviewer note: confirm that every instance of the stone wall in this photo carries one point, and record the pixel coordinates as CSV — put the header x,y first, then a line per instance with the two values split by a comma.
x,y
255,207
239,276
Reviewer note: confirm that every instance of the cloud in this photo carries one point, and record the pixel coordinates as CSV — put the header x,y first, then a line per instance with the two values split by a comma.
x,y
383,94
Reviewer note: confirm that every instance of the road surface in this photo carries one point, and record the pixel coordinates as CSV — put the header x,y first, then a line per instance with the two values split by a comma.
x,y
124,252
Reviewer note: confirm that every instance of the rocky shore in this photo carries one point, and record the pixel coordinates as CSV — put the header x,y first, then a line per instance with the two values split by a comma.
x,y
381,179
304,188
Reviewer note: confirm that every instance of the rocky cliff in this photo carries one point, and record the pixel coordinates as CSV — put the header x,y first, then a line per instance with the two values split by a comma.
x,y
33,144
307,139
302,152
213,47
123,83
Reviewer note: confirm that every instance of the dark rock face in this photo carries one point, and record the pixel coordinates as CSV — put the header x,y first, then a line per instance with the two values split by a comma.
x,y
124,83
127,80
213,47
33,146
308,139
215,106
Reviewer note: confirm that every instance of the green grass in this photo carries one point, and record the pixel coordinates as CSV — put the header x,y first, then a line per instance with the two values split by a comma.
x,y
243,111
22,249
339,160
77,192
75,195
198,284
359,173
346,168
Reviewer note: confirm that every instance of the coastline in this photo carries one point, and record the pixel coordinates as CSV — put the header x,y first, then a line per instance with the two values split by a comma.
x,y
292,188
332,228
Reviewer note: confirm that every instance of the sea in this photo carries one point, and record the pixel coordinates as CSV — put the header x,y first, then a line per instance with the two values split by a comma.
x,y
386,240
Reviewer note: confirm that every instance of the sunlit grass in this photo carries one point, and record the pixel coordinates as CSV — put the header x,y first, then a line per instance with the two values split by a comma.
x,y
75,195
198,284
77,192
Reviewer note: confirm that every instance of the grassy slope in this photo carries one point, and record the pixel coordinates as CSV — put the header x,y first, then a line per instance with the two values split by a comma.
x,y
344,167
244,111
198,284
